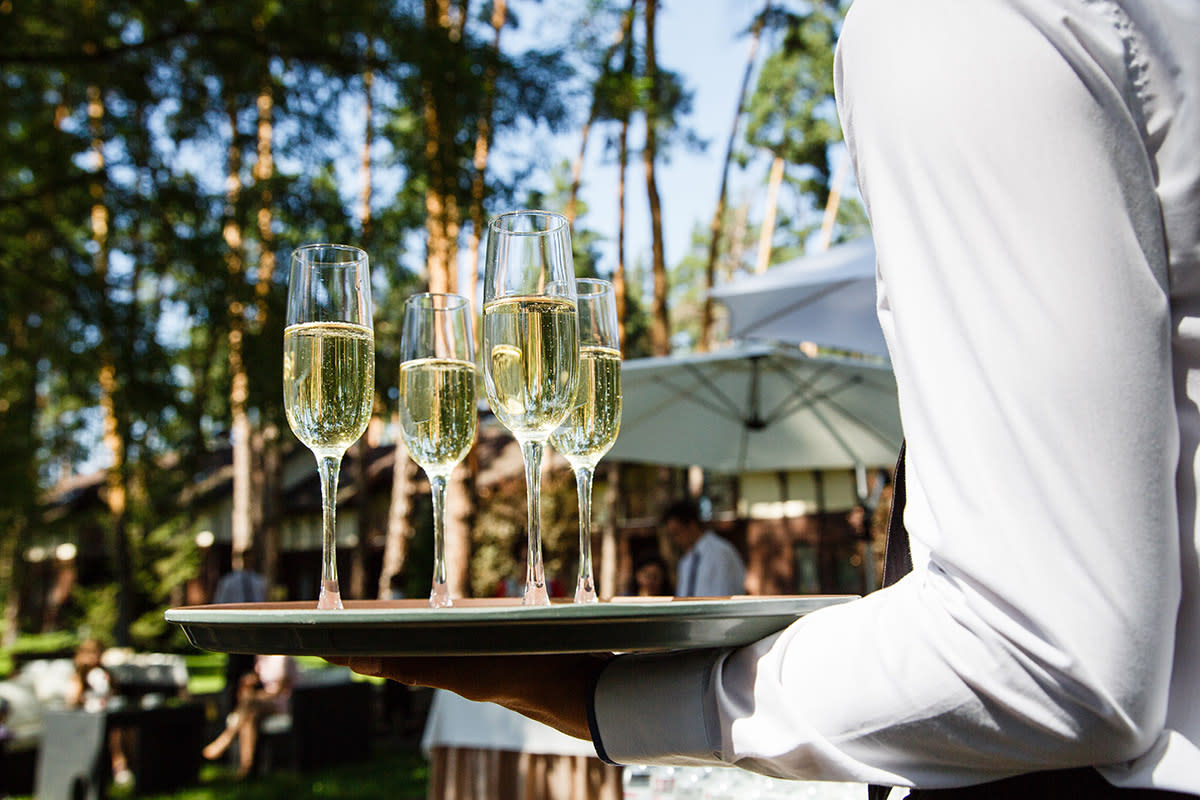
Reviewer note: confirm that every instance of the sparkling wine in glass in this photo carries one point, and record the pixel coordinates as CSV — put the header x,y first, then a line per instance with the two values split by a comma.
x,y
592,425
437,403
329,373
530,348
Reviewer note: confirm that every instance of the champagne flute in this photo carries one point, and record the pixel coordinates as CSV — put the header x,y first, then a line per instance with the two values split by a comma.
x,y
437,403
595,418
530,348
329,372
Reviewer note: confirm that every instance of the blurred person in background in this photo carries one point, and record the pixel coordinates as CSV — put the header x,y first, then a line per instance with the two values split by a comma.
x,y
92,689
709,566
242,585
264,692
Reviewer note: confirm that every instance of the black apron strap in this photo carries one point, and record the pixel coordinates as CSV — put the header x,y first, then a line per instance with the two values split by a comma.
x,y
897,562
897,559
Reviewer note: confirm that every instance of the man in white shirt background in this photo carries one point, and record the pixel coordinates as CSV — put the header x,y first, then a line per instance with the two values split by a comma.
x,y
241,585
709,565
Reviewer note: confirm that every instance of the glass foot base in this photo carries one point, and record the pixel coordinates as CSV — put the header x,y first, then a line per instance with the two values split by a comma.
x,y
440,596
585,592
331,596
535,595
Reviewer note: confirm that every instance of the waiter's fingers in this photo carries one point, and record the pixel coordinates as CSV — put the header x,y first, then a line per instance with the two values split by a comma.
x,y
554,689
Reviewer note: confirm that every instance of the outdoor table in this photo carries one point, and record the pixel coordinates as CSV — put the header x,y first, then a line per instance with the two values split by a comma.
x,y
481,751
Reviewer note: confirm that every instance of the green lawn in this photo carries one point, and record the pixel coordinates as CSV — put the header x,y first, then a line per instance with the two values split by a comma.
x,y
401,774
206,671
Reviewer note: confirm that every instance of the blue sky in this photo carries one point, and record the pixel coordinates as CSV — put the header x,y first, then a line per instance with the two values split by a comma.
x,y
703,41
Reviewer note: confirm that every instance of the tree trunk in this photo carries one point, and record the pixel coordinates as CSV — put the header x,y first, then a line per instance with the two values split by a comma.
x,y
116,497
441,202
439,263
18,422
831,205
462,492
479,160
11,548
619,282
360,452
114,436
364,209
620,290
399,531
718,220
359,556
460,521
767,234
264,171
660,323
737,242
267,483
239,393
609,545
272,501
608,535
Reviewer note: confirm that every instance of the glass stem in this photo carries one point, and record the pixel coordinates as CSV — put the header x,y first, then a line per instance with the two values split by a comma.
x,y
439,595
535,573
328,467
585,589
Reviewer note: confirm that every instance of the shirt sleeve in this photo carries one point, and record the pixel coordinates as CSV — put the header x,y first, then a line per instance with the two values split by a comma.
x,y
1023,295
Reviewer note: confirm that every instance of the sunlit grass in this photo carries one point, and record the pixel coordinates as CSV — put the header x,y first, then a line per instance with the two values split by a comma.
x,y
397,775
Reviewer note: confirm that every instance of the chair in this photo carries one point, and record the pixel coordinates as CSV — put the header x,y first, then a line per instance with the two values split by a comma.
x,y
73,762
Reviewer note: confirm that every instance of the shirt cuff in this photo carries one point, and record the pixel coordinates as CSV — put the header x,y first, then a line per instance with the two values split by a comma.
x,y
593,726
649,709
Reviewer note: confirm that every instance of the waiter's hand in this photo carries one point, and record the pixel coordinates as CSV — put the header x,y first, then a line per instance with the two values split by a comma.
x,y
553,689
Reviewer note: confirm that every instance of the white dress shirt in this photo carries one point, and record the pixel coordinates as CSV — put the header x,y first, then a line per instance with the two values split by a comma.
x,y
711,568
241,586
1032,172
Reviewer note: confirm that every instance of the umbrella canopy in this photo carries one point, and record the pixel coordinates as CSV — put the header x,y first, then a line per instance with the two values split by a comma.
x,y
827,298
752,408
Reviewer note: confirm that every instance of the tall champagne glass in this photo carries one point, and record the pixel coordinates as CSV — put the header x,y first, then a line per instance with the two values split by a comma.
x,y
595,418
437,403
329,372
530,348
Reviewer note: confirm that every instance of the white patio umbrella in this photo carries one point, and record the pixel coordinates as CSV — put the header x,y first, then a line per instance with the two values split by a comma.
x,y
758,407
827,298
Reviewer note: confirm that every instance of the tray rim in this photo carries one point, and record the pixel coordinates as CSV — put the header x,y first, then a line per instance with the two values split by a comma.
x,y
410,627
372,612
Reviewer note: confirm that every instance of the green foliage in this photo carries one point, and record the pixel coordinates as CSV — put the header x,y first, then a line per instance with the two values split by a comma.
x,y
98,605
167,558
502,524
687,293
206,671
125,258
791,113
36,645
636,329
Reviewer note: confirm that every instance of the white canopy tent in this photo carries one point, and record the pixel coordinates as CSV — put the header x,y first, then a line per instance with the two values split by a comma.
x,y
758,407
827,298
